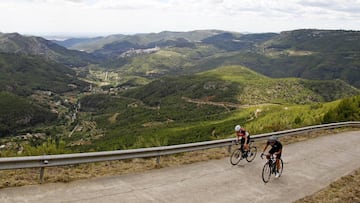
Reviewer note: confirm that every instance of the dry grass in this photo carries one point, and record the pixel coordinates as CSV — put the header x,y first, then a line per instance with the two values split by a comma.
x,y
344,190
11,178
20,177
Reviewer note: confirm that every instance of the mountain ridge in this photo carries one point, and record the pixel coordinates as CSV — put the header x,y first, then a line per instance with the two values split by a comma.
x,y
37,46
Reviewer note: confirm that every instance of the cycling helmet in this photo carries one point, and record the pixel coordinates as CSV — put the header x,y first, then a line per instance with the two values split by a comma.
x,y
237,128
272,139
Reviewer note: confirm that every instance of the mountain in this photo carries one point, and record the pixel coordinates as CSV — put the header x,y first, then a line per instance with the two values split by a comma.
x,y
232,42
144,40
23,74
261,89
313,40
241,85
307,53
73,42
37,46
91,44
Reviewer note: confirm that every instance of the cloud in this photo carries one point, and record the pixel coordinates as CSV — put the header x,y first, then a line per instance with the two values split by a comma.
x,y
350,7
128,4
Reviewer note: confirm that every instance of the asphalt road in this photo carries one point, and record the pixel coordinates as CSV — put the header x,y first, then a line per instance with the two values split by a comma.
x,y
308,167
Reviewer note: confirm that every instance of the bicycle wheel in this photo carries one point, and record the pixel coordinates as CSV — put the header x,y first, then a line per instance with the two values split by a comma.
x,y
235,157
251,156
266,172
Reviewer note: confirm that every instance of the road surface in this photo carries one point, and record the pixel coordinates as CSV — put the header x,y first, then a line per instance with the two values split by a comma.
x,y
308,167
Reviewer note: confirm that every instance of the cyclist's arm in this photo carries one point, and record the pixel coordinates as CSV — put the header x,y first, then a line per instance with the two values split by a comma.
x,y
237,136
265,147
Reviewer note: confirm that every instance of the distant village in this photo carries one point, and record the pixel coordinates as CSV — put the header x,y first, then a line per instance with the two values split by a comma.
x,y
134,52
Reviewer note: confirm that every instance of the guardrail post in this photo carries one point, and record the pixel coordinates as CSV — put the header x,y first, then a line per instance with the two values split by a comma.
x,y
158,161
229,148
42,170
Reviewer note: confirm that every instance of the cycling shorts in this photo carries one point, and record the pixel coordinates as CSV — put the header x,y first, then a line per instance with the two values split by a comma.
x,y
242,141
273,150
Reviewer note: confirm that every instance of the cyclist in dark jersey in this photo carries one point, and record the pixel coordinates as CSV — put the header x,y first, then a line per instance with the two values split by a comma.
x,y
276,149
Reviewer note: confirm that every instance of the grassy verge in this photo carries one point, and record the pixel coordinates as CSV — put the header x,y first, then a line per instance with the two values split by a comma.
x,y
11,178
346,189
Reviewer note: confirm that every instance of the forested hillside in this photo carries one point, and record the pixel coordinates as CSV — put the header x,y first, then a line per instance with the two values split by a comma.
x,y
23,74
17,113
185,109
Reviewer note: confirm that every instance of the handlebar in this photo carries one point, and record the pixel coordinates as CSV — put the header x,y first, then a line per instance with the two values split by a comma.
x,y
273,156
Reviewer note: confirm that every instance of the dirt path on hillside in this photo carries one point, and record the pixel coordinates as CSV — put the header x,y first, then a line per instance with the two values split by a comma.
x,y
226,105
309,166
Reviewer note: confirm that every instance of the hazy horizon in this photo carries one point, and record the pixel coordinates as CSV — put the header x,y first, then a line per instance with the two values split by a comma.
x,y
107,17
63,36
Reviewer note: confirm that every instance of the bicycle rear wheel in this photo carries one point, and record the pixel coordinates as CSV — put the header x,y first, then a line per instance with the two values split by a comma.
x,y
236,157
266,172
251,156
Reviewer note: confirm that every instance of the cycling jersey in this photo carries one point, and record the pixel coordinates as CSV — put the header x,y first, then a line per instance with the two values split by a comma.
x,y
242,133
276,147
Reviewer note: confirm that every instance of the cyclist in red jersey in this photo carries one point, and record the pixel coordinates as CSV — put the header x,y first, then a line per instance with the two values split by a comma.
x,y
245,137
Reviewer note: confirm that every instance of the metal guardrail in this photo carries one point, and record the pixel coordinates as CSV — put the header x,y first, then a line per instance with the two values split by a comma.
x,y
79,158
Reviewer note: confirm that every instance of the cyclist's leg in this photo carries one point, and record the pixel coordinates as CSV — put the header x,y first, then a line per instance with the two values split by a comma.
x,y
248,142
242,141
242,148
278,162
271,153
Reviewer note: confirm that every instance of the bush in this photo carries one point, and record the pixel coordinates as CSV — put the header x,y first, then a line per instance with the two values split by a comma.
x,y
347,110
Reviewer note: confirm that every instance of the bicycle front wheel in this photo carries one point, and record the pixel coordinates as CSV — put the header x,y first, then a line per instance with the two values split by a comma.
x,y
266,173
236,157
251,154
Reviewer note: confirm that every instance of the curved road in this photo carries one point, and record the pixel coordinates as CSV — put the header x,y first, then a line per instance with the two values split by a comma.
x,y
309,166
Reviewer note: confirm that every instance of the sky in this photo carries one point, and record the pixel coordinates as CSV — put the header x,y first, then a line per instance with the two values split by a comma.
x,y
105,17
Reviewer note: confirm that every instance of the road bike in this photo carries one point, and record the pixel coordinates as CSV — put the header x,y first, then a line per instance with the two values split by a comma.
x,y
237,155
270,168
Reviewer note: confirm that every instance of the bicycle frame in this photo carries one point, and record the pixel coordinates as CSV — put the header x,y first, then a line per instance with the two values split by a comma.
x,y
272,163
